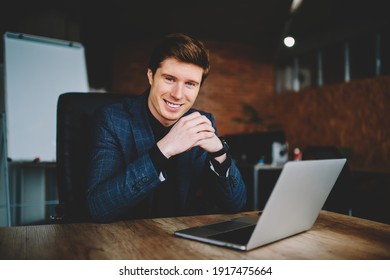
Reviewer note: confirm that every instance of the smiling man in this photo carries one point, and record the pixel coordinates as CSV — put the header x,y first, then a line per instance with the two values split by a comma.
x,y
155,156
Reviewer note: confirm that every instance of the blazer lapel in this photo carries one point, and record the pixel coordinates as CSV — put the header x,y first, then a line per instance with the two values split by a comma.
x,y
142,131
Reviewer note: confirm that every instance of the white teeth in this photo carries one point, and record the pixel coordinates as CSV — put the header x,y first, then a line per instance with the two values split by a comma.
x,y
172,105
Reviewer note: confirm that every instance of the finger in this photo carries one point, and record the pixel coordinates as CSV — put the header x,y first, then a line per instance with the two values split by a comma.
x,y
191,116
204,127
202,138
198,120
196,116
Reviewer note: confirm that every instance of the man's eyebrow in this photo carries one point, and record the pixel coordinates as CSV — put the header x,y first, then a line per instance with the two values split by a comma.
x,y
167,75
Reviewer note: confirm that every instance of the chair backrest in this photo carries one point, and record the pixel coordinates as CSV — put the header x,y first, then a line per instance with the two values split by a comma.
x,y
75,113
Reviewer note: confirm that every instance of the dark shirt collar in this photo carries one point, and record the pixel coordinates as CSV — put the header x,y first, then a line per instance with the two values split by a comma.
x,y
158,129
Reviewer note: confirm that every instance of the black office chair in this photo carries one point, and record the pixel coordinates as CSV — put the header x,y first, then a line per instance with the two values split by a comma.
x,y
75,113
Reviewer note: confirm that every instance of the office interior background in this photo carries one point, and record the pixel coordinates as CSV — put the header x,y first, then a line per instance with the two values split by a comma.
x,y
331,88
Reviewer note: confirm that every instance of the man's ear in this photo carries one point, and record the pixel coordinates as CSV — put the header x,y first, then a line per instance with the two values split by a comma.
x,y
150,76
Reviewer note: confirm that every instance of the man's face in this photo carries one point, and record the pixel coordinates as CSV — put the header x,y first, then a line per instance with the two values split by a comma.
x,y
174,88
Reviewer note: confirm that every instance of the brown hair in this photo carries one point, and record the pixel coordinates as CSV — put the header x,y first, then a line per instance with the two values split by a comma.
x,y
183,48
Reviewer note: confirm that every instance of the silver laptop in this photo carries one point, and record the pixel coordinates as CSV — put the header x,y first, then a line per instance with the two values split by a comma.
x,y
293,207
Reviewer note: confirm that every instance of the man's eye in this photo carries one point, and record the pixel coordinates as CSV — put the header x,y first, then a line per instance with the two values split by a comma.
x,y
169,79
189,84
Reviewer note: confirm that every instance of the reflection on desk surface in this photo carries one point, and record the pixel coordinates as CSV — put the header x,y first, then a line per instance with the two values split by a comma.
x,y
334,236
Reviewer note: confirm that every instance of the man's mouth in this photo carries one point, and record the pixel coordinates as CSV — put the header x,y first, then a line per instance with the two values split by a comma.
x,y
172,105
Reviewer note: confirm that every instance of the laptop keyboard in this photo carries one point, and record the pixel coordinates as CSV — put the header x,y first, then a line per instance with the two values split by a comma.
x,y
238,236
225,226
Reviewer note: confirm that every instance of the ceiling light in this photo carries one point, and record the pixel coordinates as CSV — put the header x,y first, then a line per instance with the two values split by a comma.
x,y
289,41
295,5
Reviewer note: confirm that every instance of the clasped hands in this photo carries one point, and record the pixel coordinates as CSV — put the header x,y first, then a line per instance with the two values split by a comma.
x,y
190,131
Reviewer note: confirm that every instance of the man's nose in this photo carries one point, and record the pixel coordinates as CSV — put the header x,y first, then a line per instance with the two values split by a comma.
x,y
177,91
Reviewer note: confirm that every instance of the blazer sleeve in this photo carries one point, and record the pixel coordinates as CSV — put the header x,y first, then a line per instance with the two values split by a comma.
x,y
229,191
115,186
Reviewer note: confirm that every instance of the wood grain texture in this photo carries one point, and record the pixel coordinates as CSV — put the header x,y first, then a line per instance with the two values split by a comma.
x,y
334,236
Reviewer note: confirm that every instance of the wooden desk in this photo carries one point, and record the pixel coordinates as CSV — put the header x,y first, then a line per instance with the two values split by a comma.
x,y
333,236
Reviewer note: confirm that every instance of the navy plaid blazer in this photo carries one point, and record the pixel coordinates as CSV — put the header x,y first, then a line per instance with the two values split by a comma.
x,y
122,179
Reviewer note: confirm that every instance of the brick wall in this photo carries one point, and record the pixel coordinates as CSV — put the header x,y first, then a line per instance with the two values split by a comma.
x,y
353,115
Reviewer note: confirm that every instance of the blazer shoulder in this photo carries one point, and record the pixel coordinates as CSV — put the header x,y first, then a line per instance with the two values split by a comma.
x,y
110,110
129,105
